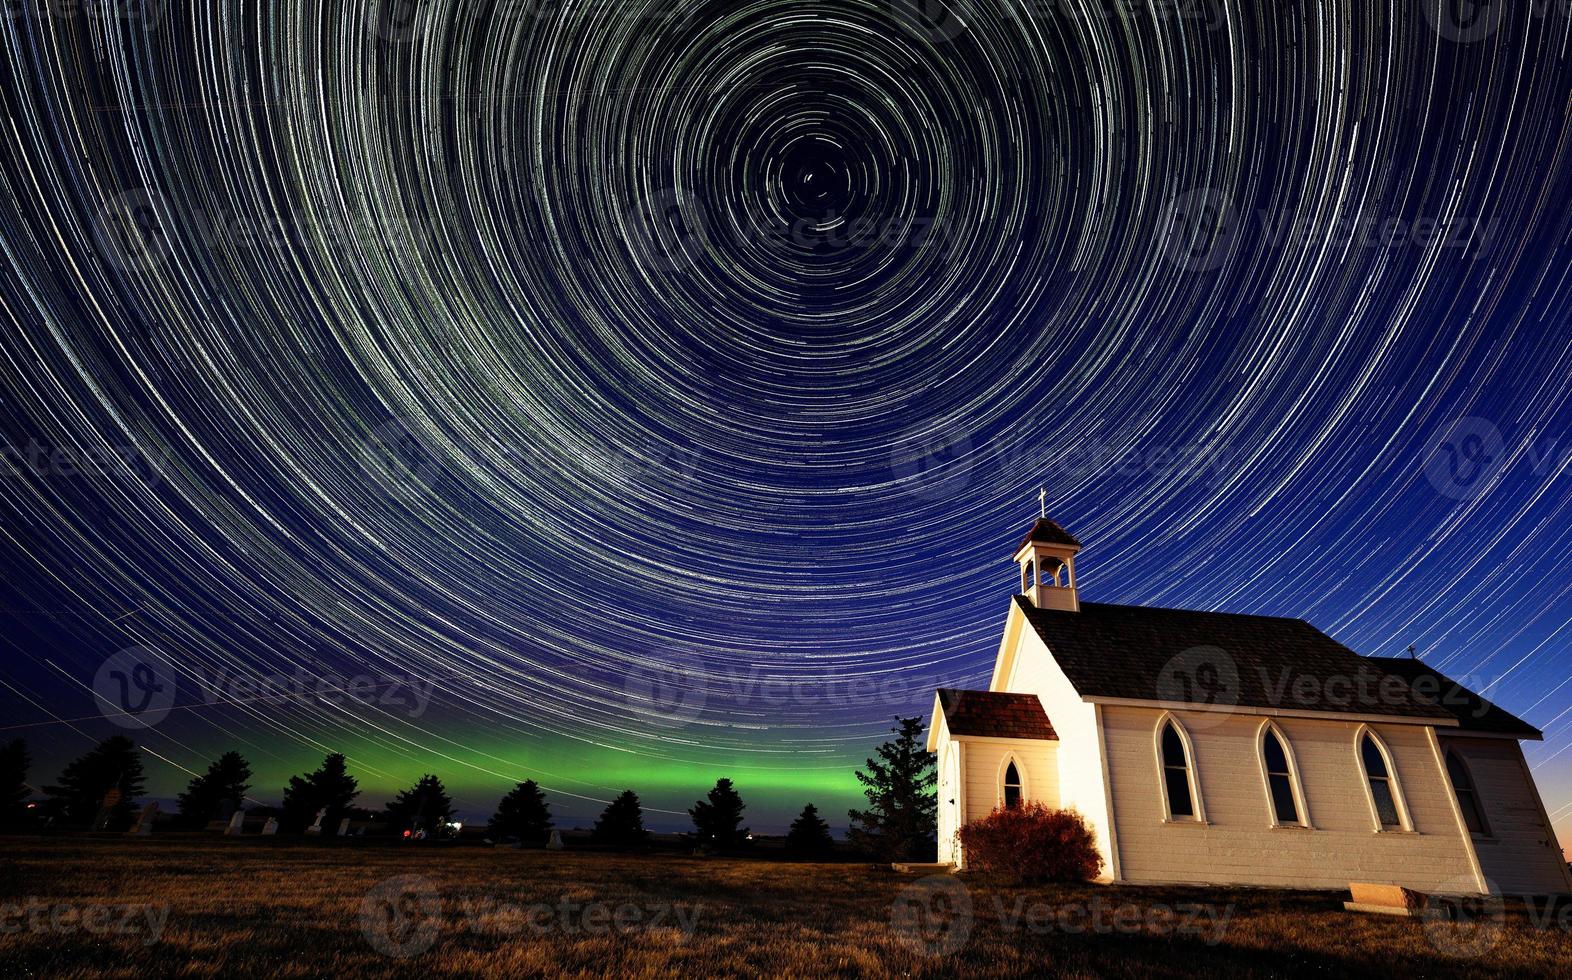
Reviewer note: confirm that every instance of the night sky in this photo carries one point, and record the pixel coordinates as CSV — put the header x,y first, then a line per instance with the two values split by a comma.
x,y
625,394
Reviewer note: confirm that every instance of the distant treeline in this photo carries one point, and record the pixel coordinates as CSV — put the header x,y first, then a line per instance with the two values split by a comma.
x,y
101,789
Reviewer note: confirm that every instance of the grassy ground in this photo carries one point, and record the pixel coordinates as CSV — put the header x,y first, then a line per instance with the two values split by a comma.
x,y
177,906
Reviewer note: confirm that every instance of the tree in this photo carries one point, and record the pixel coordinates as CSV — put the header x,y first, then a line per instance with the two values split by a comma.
x,y
14,791
621,824
225,781
717,820
421,807
330,788
809,835
523,814
85,784
899,822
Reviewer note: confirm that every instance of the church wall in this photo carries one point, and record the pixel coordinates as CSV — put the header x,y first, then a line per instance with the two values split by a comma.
x,y
1239,843
1037,762
1079,757
1516,855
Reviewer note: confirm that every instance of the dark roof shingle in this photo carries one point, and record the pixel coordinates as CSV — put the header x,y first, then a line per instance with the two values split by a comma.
x,y
1473,712
1184,656
994,714
1047,532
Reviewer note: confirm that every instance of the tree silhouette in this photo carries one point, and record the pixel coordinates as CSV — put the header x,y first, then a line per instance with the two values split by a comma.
x,y
621,824
226,780
809,835
330,787
522,813
114,764
899,822
717,820
421,807
14,791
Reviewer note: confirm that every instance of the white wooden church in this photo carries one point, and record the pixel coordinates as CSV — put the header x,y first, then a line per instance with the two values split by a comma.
x,y
1224,749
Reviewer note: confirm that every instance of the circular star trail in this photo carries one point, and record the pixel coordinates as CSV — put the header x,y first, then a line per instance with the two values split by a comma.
x,y
668,381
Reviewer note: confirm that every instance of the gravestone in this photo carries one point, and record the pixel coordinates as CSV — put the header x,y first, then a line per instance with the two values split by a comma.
x,y
555,843
144,821
237,824
315,830
271,827
343,827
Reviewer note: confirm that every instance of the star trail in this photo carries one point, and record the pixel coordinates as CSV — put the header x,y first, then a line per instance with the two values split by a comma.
x,y
632,393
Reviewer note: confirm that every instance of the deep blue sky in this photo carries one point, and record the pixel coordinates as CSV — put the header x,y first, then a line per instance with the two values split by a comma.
x,y
669,384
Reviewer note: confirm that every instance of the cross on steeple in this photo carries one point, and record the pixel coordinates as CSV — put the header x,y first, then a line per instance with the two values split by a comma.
x,y
1042,500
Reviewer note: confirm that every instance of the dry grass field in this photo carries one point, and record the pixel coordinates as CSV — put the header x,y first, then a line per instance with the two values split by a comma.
x,y
183,906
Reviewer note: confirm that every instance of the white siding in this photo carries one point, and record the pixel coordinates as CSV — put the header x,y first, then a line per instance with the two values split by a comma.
x,y
1032,670
1519,855
1240,845
1037,763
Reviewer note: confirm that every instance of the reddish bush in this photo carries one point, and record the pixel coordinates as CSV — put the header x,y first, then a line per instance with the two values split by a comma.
x,y
1032,842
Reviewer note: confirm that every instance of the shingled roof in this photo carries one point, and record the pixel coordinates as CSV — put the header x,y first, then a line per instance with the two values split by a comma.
x,y
1473,712
994,714
1183,656
1047,532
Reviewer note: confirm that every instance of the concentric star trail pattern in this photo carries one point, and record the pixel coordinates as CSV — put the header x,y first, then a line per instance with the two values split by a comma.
x,y
656,388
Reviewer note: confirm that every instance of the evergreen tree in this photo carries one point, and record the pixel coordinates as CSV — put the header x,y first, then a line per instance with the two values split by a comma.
x,y
330,787
717,820
114,764
226,779
899,822
523,813
421,807
14,791
809,835
621,824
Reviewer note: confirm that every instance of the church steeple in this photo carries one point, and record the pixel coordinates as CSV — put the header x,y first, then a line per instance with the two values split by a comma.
x,y
1047,560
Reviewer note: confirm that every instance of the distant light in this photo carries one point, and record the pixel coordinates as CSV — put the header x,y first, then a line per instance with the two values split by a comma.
x,y
406,835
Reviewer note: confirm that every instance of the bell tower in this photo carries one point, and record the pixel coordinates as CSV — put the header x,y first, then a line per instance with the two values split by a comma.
x,y
1047,560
